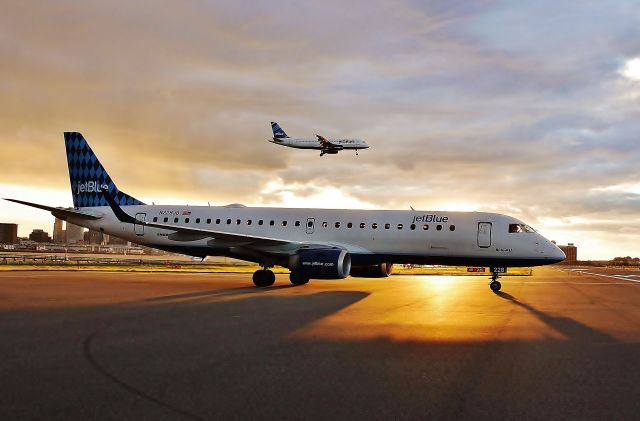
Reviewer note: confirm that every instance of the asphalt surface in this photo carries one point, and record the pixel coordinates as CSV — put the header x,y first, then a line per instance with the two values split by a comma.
x,y
558,345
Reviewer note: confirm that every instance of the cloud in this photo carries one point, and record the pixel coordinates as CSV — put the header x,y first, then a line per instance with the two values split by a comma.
x,y
528,109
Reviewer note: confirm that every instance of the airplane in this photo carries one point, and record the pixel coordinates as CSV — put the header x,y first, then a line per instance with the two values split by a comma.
x,y
321,143
312,243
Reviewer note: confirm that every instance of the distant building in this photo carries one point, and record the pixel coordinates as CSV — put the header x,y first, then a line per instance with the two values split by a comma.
x,y
75,234
572,253
9,233
93,237
39,236
59,234
115,241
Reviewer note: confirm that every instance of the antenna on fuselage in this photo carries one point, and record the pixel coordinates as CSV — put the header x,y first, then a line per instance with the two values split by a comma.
x,y
412,208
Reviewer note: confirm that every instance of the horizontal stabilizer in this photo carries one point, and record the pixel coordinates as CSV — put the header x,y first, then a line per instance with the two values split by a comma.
x,y
62,213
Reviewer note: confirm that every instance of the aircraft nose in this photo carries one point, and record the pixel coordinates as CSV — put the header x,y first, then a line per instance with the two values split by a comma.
x,y
556,254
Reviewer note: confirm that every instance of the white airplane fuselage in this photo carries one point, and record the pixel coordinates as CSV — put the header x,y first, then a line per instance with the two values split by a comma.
x,y
369,236
297,143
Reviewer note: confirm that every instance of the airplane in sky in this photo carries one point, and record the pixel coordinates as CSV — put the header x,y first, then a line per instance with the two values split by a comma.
x,y
311,243
324,145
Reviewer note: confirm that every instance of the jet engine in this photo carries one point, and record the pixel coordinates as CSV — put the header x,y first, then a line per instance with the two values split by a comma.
x,y
321,264
381,270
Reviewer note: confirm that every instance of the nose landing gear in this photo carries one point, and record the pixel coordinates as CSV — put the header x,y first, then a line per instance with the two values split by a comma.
x,y
495,285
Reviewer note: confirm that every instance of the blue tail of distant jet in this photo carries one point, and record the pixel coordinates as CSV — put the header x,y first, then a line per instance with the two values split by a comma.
x,y
278,133
88,177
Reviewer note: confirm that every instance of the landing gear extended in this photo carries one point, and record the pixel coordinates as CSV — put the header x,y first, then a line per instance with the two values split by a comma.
x,y
495,285
263,278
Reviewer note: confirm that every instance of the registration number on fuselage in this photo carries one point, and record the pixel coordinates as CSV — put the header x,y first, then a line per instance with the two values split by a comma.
x,y
499,269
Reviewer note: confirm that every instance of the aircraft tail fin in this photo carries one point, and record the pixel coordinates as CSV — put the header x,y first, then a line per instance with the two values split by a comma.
x,y
278,133
88,177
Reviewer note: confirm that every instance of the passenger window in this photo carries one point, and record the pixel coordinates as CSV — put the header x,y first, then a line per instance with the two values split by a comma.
x,y
208,220
337,224
166,219
413,227
155,219
452,228
186,220
400,226
297,223
175,220
248,221
325,225
238,222
197,220
284,223
260,222
439,227
272,222
425,227
387,226
217,221
374,226
228,221
361,224
349,225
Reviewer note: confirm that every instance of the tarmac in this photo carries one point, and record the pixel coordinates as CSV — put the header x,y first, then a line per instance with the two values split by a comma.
x,y
560,344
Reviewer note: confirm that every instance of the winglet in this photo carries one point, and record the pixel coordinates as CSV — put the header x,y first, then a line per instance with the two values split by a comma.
x,y
117,210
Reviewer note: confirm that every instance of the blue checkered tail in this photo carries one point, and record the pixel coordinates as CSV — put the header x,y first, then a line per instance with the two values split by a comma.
x,y
88,177
278,133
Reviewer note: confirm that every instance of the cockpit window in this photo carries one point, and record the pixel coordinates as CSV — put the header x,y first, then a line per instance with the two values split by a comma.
x,y
520,228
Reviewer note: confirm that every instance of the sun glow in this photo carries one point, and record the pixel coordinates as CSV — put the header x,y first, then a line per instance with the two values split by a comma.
x,y
297,195
631,69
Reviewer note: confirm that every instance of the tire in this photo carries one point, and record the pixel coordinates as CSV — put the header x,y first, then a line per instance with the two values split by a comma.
x,y
297,279
263,278
495,286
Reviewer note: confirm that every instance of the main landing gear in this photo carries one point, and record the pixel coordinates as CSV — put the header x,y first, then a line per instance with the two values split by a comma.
x,y
263,278
297,278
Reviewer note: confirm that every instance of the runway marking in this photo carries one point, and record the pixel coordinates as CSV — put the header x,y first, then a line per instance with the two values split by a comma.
x,y
621,277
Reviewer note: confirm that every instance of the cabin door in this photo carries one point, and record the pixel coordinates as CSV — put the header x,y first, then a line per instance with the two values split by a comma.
x,y
311,222
484,234
138,227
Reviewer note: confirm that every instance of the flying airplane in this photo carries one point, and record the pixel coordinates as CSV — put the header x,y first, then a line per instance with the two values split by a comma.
x,y
324,145
311,243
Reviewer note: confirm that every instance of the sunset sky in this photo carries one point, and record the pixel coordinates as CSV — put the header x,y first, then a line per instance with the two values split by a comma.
x,y
526,108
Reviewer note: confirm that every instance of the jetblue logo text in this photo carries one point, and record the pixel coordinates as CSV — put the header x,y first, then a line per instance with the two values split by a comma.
x,y
430,218
91,187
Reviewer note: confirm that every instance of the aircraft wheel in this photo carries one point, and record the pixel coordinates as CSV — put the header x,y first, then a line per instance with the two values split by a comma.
x,y
297,279
495,286
263,278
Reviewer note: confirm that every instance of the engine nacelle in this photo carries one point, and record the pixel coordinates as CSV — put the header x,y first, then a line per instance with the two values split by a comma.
x,y
381,270
322,264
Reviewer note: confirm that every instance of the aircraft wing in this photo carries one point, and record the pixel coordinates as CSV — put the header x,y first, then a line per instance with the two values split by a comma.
x,y
191,233
326,143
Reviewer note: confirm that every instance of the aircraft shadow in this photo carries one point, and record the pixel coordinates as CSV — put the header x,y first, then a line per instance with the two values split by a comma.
x,y
566,326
